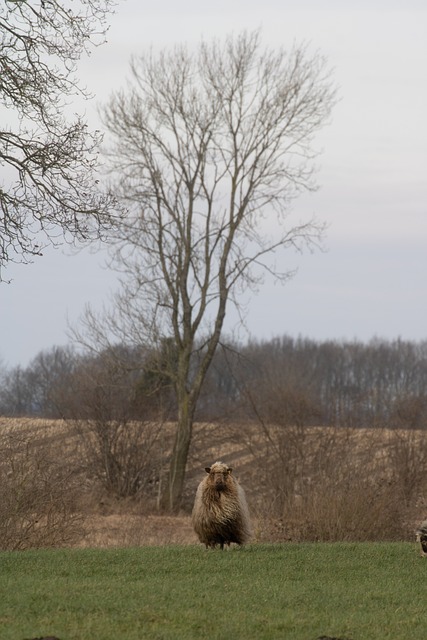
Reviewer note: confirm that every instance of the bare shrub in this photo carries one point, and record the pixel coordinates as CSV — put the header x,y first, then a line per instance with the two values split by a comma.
x,y
117,424
281,442
328,484
354,510
288,459
37,496
407,453
124,456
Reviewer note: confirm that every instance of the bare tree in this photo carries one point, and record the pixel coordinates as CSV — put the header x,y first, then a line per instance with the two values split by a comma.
x,y
209,148
48,163
42,388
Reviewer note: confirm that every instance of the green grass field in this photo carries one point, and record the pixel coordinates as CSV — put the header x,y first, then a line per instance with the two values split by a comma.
x,y
292,591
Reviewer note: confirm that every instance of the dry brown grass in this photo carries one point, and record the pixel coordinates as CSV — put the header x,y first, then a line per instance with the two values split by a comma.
x,y
311,484
121,530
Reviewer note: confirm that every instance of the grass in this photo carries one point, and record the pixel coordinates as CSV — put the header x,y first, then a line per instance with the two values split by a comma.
x,y
294,591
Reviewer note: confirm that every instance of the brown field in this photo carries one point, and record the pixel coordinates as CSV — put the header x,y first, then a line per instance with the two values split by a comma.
x,y
264,460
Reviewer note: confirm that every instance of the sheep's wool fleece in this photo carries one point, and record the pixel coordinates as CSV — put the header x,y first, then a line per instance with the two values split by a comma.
x,y
422,537
220,514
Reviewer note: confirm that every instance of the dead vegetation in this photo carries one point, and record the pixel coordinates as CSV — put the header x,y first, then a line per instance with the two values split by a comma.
x,y
39,490
302,483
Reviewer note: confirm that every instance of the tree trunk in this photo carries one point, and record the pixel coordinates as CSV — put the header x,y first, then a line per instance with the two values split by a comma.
x,y
171,494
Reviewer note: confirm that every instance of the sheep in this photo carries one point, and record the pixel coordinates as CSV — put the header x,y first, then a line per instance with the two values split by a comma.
x,y
220,513
421,534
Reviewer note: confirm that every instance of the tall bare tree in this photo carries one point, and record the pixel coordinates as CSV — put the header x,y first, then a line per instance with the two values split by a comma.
x,y
209,147
48,181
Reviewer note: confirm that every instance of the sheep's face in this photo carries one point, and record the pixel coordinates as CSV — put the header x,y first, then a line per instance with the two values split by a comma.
x,y
218,475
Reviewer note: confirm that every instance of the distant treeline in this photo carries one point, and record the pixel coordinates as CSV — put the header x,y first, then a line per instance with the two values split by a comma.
x,y
284,381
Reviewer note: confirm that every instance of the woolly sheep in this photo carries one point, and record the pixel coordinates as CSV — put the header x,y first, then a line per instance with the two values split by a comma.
x,y
421,534
220,513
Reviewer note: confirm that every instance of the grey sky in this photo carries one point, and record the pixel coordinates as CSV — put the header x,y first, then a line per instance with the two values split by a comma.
x,y
371,281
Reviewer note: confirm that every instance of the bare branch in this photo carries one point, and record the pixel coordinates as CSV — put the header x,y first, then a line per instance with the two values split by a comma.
x,y
49,180
209,149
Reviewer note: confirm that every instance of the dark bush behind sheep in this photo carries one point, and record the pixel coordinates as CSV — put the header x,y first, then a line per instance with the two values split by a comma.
x,y
220,514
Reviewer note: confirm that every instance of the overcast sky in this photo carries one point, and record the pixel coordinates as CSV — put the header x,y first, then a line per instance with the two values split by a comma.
x,y
371,281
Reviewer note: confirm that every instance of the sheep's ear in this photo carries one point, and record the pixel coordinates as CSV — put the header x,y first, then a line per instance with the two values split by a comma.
x,y
207,469
229,470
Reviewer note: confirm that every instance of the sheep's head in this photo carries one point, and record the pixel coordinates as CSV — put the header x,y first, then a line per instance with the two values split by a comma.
x,y
218,475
